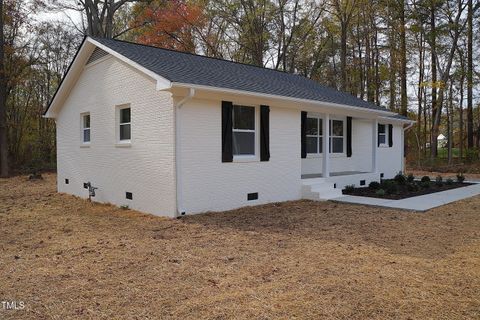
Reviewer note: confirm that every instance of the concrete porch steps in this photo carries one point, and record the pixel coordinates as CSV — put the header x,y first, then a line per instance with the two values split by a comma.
x,y
320,190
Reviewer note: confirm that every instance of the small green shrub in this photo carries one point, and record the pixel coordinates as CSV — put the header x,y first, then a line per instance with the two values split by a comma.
x,y
425,184
460,177
374,185
400,179
410,178
350,188
449,182
425,179
392,188
380,192
412,187
439,181
124,207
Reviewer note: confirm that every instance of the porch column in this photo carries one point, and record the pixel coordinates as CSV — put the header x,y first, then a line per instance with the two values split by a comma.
x,y
326,146
374,144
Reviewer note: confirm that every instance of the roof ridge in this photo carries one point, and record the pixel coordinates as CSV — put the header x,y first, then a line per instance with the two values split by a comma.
x,y
202,56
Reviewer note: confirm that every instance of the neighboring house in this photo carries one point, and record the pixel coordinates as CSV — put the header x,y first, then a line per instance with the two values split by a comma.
x,y
441,141
173,133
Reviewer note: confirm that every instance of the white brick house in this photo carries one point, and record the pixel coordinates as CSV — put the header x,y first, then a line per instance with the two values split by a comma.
x,y
172,133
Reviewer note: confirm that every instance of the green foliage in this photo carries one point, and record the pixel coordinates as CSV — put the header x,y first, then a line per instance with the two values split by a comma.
x,y
374,185
449,182
400,178
350,188
425,179
425,184
439,181
392,188
410,178
412,187
460,177
472,154
386,183
380,192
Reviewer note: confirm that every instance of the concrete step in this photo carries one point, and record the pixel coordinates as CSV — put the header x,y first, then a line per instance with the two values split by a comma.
x,y
320,191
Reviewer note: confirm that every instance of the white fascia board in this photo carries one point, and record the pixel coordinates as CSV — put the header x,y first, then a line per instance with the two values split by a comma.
x,y
162,83
396,120
77,67
273,96
69,79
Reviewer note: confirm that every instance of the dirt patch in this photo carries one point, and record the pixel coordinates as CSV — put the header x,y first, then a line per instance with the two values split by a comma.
x,y
67,258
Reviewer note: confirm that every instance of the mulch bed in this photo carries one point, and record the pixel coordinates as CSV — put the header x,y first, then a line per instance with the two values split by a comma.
x,y
403,191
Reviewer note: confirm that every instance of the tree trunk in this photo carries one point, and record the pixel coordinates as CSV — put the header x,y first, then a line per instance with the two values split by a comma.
x,y
449,123
4,172
403,61
460,142
420,88
434,131
343,57
470,76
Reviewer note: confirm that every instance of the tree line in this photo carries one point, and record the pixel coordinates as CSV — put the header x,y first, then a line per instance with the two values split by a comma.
x,y
418,58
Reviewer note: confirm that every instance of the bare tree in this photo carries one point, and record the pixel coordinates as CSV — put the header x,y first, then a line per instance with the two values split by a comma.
x,y
4,172
99,15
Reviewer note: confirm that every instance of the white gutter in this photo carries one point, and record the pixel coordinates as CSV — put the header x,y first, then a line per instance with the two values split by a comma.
x,y
179,211
409,126
273,96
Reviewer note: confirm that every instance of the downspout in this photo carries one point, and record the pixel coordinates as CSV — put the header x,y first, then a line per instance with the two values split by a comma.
x,y
178,106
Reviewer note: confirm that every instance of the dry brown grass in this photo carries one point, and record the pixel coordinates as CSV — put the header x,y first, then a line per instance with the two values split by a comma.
x,y
281,261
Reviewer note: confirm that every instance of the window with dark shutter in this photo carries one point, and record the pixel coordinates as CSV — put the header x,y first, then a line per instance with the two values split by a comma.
x,y
264,133
303,131
349,136
382,135
244,131
227,138
390,135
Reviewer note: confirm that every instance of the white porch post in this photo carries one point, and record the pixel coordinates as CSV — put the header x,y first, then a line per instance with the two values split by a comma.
x,y
326,146
374,145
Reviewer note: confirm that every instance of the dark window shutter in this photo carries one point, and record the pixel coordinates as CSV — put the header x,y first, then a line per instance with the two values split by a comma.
x,y
227,135
390,135
264,133
349,136
378,134
304,134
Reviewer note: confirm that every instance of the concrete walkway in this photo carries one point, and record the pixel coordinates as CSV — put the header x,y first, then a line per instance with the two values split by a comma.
x,y
420,203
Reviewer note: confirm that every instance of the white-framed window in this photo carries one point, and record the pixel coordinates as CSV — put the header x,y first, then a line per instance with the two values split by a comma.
x,y
314,132
86,130
244,131
314,129
124,123
337,136
382,135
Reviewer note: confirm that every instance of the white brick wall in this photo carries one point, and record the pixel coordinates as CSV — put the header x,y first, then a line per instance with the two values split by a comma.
x,y
390,159
209,184
147,168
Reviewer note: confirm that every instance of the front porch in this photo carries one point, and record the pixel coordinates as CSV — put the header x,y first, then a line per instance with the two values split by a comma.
x,y
335,145
316,187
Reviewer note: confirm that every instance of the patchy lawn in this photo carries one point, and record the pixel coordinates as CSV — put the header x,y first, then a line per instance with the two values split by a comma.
x,y
67,259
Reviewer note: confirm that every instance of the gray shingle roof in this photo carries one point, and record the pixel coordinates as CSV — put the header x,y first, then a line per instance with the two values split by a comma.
x,y
200,70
